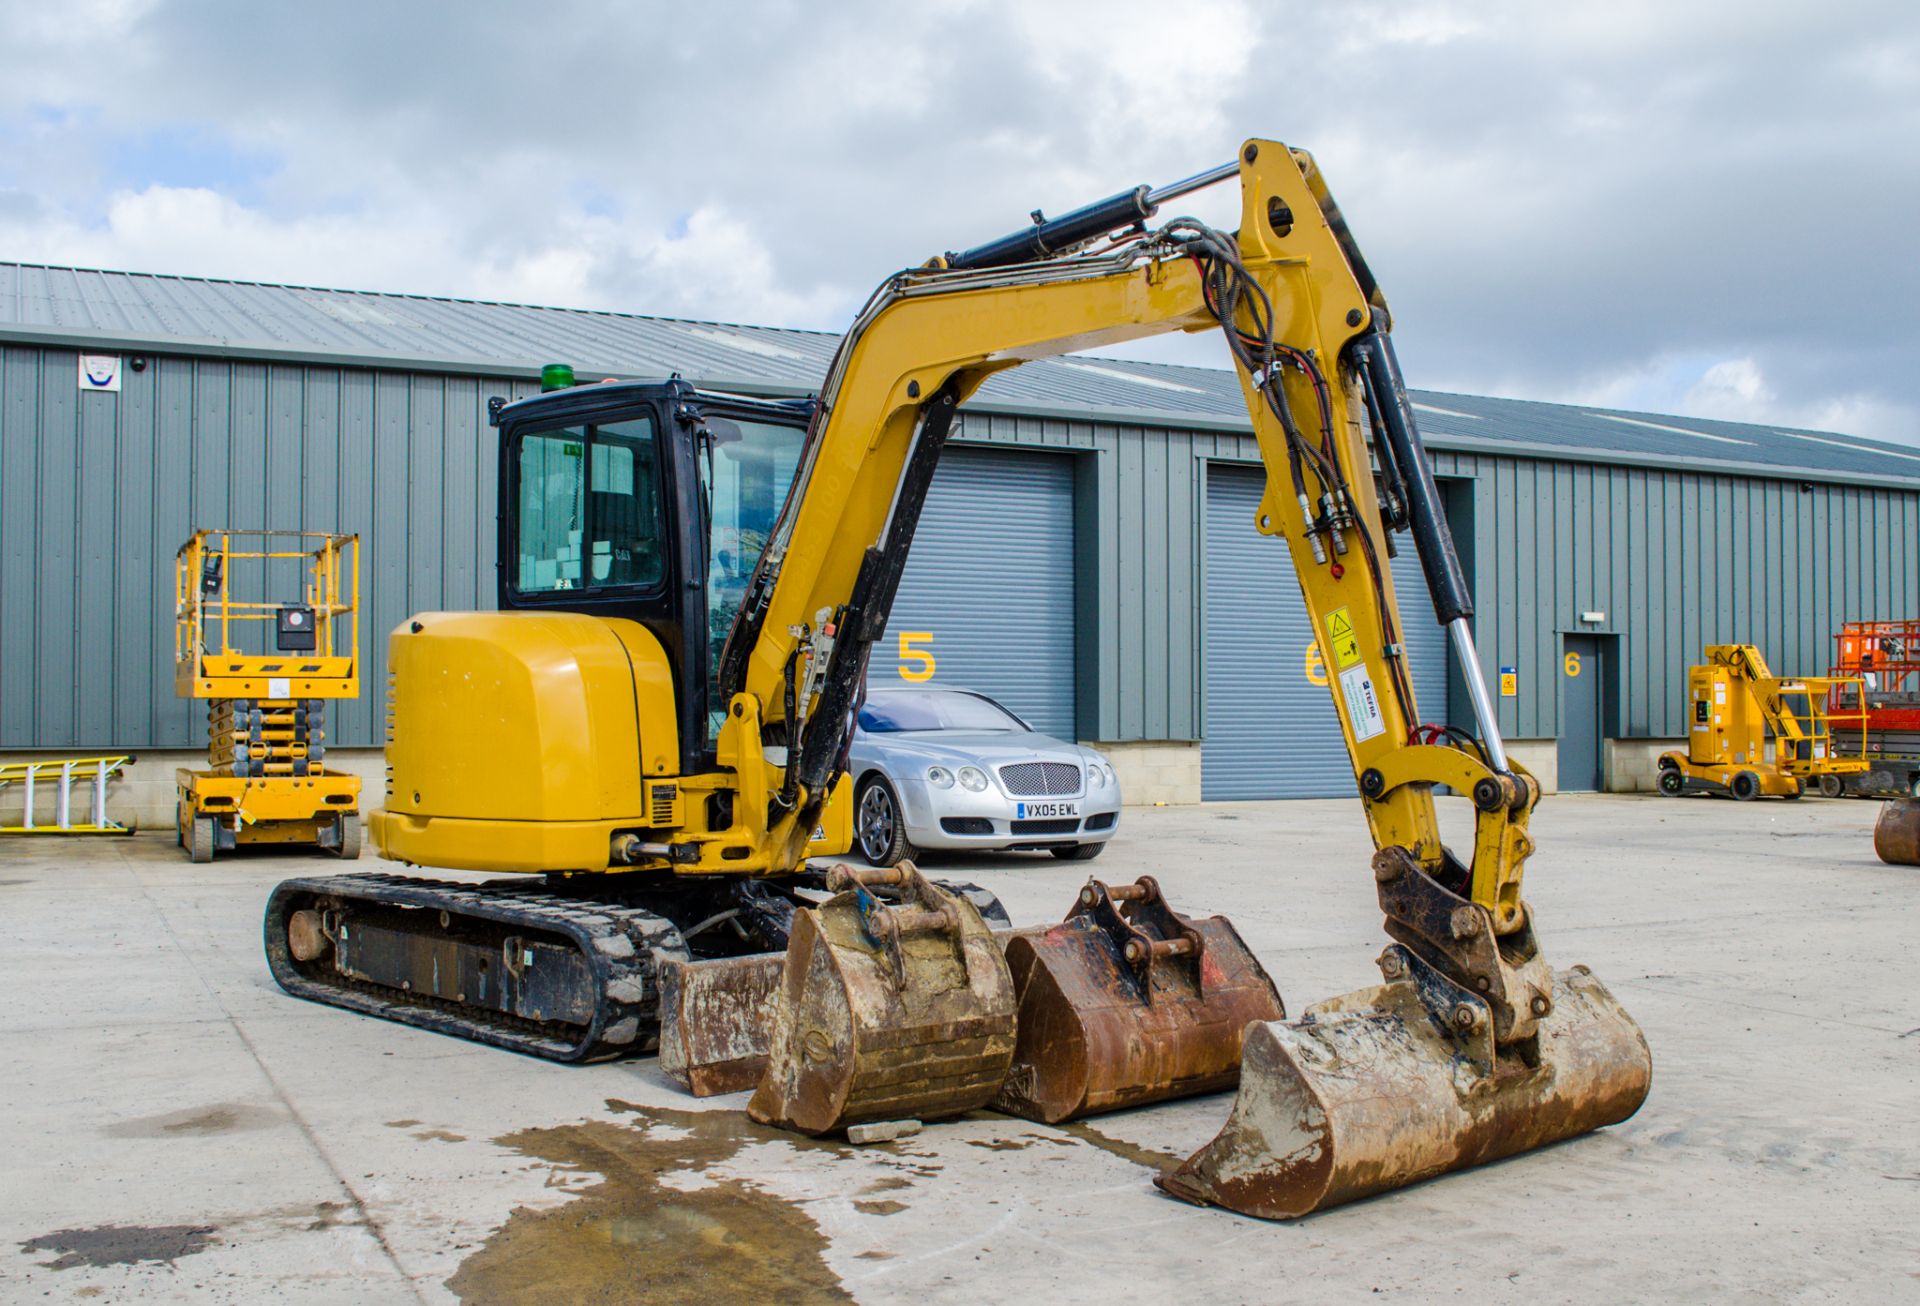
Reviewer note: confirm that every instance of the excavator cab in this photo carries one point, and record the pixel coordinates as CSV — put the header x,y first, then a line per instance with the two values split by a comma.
x,y
650,503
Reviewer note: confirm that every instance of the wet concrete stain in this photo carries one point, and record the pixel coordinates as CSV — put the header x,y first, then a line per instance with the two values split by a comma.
x,y
888,1185
440,1136
876,1256
118,1244
885,1207
1152,1158
631,1237
402,1124
199,1122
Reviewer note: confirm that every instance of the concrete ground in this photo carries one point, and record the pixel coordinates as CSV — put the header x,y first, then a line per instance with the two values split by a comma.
x,y
172,1126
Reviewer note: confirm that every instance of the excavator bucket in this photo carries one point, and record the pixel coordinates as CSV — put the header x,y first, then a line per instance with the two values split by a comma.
x,y
886,1010
714,1018
1896,835
1125,1002
1390,1085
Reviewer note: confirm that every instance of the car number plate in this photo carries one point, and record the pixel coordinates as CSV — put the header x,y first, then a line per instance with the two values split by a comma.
x,y
1040,811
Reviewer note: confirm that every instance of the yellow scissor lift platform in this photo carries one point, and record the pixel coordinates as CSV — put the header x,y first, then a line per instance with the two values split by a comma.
x,y
268,669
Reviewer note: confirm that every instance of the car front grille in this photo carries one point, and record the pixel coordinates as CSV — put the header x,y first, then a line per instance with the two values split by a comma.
x,y
966,825
1040,779
1045,827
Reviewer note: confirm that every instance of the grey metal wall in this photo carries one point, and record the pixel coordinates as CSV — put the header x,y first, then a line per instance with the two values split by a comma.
x,y
98,490
1676,560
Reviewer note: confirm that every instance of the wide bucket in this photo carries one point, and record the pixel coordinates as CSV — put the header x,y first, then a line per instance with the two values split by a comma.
x,y
1377,1089
886,1011
1896,835
715,1020
1126,1002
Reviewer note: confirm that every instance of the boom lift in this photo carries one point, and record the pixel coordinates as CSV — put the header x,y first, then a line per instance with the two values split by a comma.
x,y
266,780
606,738
1734,702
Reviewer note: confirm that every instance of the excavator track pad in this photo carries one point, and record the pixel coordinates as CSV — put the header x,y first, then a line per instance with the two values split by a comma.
x,y
1390,1085
886,1010
1126,1002
510,965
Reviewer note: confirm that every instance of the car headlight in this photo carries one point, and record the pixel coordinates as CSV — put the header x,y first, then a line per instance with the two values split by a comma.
x,y
972,777
939,777
1098,775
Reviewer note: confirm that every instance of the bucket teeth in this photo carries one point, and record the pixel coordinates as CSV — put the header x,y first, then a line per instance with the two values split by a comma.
x,y
1391,1085
1126,1002
886,1011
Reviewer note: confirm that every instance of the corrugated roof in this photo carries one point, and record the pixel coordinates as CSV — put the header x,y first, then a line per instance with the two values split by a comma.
x,y
82,307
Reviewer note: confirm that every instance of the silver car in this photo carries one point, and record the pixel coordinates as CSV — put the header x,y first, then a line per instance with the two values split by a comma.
x,y
952,769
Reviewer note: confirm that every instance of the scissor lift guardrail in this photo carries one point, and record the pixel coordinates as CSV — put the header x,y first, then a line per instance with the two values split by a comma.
x,y
62,773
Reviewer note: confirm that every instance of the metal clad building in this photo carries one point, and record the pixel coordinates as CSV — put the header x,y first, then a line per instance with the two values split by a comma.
x,y
1074,573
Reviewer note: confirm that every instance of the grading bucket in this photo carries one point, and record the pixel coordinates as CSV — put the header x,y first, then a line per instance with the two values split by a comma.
x,y
1896,835
1126,1002
1394,1084
886,1011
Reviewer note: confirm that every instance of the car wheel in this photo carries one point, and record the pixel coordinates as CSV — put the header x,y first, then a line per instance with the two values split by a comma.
x,y
877,825
1080,852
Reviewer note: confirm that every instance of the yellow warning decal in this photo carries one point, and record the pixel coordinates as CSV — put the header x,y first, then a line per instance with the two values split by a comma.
x,y
1346,645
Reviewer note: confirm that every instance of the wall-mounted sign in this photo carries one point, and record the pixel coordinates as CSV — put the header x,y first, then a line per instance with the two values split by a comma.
x,y
1509,682
100,372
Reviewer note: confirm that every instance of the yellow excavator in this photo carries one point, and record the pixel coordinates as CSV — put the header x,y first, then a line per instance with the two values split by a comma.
x,y
653,735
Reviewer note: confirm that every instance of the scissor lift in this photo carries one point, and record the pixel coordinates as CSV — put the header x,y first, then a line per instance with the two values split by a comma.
x,y
267,669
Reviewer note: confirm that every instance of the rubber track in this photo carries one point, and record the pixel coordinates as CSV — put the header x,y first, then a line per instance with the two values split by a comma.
x,y
619,943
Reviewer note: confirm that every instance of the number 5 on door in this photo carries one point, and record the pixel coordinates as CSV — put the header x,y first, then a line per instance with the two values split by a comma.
x,y
916,664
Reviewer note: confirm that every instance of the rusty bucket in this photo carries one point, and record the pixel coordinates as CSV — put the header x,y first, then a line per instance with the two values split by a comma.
x,y
715,1017
886,1010
1394,1084
1126,1002
1896,835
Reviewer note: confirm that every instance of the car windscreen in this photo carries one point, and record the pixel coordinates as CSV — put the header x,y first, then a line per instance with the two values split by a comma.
x,y
898,713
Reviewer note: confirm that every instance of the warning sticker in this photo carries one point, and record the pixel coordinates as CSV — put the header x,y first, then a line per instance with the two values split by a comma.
x,y
1363,705
1346,645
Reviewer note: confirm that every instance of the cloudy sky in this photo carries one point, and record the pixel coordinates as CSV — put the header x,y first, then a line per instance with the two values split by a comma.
x,y
1695,208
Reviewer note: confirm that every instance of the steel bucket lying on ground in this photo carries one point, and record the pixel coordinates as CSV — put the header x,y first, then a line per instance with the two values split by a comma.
x,y
1896,835
1126,1002
886,1011
1391,1085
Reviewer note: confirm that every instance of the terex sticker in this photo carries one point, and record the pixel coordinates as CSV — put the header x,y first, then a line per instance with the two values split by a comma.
x,y
1346,645
1363,705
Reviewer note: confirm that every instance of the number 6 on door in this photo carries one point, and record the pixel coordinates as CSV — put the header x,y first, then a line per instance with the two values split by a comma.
x,y
916,664
1573,664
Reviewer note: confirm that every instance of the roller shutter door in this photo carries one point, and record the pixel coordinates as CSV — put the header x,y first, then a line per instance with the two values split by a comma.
x,y
1270,731
988,590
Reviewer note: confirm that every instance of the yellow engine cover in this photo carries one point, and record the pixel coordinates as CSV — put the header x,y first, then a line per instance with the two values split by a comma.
x,y
519,740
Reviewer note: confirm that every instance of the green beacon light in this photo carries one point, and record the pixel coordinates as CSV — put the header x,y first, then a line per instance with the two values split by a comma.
x,y
555,376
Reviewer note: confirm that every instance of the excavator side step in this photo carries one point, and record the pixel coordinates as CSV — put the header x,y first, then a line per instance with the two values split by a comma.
x,y
547,975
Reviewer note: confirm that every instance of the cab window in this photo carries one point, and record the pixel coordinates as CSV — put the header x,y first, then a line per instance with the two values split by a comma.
x,y
590,509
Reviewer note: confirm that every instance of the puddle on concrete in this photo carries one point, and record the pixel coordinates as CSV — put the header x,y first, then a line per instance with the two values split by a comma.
x,y
1151,1158
633,1238
886,1206
199,1122
888,1185
440,1136
117,1244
